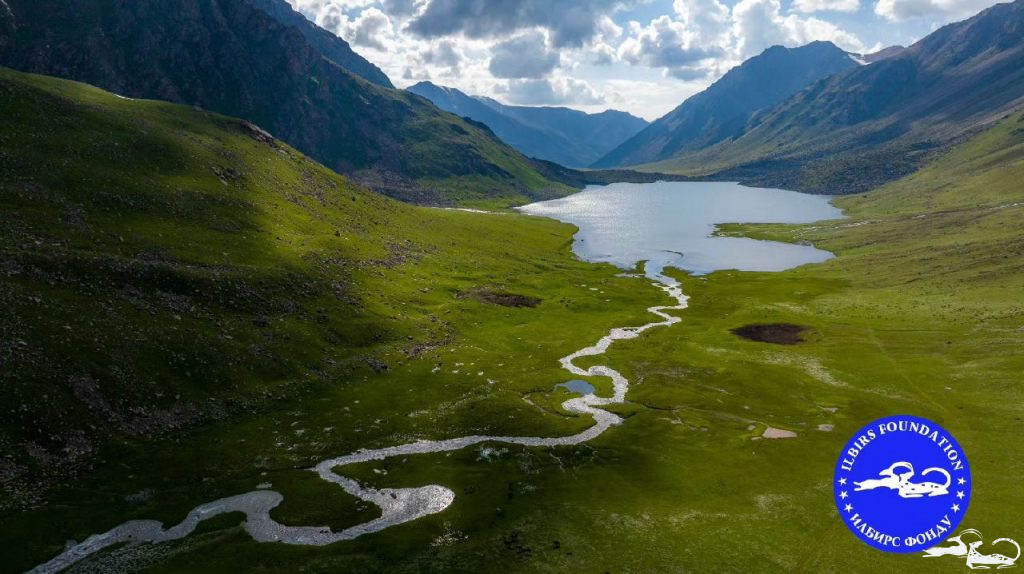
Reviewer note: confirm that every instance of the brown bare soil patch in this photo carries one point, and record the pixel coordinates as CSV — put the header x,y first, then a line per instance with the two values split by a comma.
x,y
500,298
776,333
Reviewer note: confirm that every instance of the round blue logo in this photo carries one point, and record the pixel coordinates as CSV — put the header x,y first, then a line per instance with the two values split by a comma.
x,y
902,484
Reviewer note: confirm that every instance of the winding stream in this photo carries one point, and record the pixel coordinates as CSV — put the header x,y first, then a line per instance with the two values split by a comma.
x,y
398,505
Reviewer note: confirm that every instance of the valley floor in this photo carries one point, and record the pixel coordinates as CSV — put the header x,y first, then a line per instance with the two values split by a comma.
x,y
459,332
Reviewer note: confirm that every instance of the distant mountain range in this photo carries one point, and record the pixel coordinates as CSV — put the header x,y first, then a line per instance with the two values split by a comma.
x,y
723,110
261,61
858,128
813,118
562,135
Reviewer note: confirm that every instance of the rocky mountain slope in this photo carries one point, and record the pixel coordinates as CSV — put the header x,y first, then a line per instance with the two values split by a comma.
x,y
231,57
722,111
871,124
330,45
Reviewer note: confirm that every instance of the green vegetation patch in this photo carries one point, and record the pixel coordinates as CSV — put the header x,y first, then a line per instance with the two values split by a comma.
x,y
174,333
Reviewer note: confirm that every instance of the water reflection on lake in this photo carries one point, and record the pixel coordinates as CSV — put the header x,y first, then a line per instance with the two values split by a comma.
x,y
670,224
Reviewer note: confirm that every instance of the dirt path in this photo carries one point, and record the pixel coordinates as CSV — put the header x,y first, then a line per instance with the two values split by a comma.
x,y
398,505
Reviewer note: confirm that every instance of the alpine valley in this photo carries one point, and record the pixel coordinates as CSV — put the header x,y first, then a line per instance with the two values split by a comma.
x,y
263,311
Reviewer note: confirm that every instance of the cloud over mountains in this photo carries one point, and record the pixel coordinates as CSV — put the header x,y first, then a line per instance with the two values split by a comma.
x,y
586,52
572,23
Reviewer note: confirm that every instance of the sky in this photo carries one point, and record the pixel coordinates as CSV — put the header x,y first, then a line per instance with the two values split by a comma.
x,y
641,56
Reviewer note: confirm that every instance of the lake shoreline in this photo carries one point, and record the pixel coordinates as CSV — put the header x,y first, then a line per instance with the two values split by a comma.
x,y
674,224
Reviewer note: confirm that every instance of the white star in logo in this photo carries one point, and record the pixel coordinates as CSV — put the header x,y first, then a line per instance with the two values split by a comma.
x,y
955,508
961,481
842,480
843,495
960,494
848,508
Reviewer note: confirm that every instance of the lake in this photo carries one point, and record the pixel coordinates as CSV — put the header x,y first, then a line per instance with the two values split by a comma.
x,y
671,224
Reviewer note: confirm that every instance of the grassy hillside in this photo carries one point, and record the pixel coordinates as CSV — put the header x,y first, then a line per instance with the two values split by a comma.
x,y
920,313
189,312
166,269
231,57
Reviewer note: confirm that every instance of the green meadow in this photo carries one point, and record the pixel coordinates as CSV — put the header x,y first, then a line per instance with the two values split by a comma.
x,y
191,311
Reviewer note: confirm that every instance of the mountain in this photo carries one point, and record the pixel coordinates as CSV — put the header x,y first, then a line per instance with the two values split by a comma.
x,y
330,45
874,123
562,135
881,54
231,57
598,133
723,110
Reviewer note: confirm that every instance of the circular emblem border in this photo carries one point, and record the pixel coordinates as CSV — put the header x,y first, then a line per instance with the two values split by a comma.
x,y
873,528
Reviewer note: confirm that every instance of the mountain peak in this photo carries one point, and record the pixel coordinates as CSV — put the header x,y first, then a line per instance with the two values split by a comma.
x,y
426,86
867,125
819,45
721,111
815,49
822,47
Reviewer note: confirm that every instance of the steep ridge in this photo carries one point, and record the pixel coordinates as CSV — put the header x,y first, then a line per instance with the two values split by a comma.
x,y
723,110
869,125
882,54
233,58
330,45
562,135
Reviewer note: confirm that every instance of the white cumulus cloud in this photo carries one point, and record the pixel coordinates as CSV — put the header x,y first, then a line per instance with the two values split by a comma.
x,y
760,24
524,56
588,54
809,6
666,43
704,38
371,28
899,10
554,91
